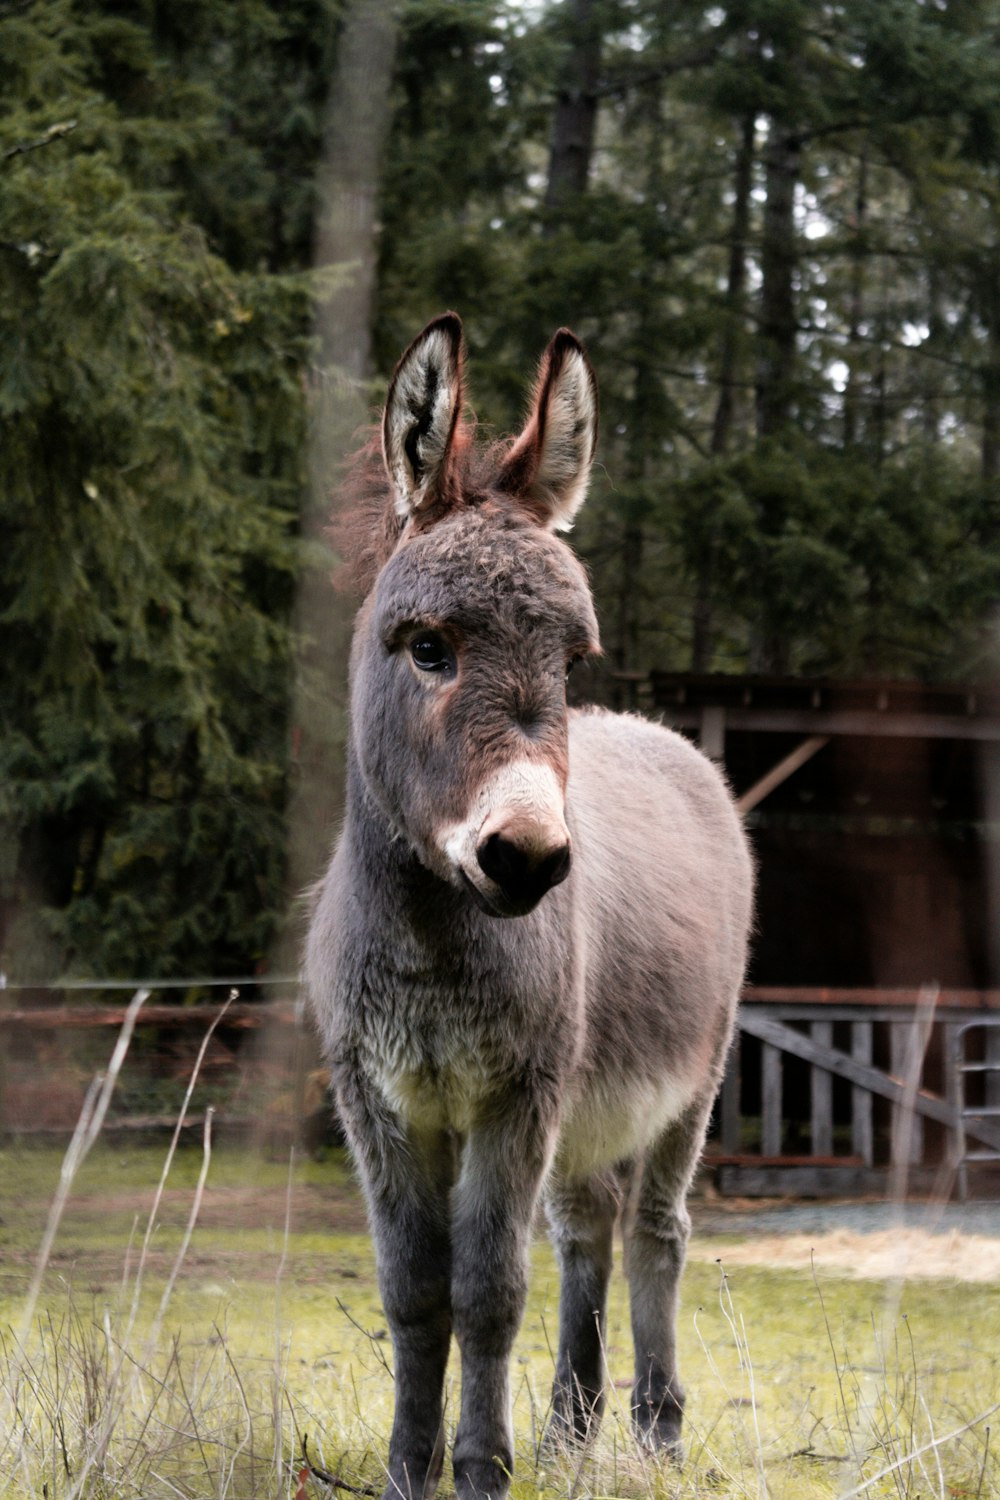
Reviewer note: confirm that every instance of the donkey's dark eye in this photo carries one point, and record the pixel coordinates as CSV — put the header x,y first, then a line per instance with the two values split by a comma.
x,y
430,652
571,664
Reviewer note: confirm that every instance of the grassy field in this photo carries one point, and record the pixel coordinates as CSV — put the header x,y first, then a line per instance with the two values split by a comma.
x,y
168,1360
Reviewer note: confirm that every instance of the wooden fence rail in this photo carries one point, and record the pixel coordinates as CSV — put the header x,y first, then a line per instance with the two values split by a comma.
x,y
914,1031
910,1114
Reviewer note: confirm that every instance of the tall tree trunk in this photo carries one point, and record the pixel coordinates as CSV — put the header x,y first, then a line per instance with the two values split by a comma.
x,y
346,242
627,653
856,307
778,320
936,329
574,121
724,420
989,465
880,405
776,361
736,280
989,376
626,649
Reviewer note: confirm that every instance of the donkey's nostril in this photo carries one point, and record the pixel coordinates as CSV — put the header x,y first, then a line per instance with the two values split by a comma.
x,y
501,860
523,873
555,866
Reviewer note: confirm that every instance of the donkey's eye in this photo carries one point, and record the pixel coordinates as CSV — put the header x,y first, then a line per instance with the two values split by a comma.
x,y
571,664
430,652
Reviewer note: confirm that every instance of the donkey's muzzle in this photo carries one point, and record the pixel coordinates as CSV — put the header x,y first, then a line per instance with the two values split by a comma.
x,y
523,872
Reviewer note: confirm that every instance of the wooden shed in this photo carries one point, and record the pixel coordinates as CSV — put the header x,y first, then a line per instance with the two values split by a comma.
x,y
869,1042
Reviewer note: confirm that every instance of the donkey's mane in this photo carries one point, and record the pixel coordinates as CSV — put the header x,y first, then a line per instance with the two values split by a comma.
x,y
365,525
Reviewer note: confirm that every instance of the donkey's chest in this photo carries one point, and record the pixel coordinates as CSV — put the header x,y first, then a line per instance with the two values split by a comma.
x,y
434,1076
431,1096
435,1057
441,1032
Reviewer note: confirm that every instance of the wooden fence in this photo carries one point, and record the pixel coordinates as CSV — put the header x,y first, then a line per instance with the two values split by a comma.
x,y
828,1091
902,1116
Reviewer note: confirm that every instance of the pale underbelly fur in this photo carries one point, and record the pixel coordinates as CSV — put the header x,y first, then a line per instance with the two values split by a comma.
x,y
607,1122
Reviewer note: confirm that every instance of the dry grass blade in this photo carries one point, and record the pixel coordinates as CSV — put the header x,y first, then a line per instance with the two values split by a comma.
x,y
88,1128
932,1446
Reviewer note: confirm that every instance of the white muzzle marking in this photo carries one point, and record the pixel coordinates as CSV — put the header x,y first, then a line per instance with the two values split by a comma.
x,y
527,792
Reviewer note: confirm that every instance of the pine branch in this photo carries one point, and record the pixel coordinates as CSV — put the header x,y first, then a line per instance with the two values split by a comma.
x,y
54,133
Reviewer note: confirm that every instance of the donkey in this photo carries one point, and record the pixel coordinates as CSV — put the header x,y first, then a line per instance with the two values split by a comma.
x,y
570,1054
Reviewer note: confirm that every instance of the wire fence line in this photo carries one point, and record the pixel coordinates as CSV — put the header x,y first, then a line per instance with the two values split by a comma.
x,y
202,982
71,1007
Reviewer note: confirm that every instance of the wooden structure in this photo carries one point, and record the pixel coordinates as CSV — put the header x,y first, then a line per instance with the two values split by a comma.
x,y
860,1091
830,1091
875,813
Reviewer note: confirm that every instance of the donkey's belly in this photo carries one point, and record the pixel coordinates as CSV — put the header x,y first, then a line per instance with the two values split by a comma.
x,y
614,1119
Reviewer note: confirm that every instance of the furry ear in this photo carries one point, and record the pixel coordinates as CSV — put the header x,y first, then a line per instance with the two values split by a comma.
x,y
549,465
421,415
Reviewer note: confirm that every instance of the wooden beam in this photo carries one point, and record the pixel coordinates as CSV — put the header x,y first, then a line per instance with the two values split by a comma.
x,y
862,1123
821,1095
810,1181
81,1017
861,723
776,1034
772,1114
773,994
781,772
712,732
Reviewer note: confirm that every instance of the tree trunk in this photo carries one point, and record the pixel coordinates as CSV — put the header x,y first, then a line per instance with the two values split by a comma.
x,y
936,329
357,129
858,255
989,466
778,321
989,378
642,424
733,333
733,330
575,118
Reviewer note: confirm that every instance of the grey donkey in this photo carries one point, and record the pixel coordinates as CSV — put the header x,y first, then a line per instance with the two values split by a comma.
x,y
526,954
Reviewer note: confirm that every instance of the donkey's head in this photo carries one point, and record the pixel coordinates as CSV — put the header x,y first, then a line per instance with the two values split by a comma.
x,y
464,643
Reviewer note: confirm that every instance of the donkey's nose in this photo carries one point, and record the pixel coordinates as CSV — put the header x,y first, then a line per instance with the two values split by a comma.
x,y
523,871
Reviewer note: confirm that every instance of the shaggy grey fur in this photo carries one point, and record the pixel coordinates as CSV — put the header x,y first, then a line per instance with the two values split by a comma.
x,y
571,1053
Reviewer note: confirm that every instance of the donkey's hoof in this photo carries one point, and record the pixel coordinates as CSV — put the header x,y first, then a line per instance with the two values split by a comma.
x,y
567,1431
660,1432
478,1479
671,1450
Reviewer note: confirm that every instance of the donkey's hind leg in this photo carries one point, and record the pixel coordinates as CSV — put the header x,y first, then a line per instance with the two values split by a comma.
x,y
656,1236
581,1218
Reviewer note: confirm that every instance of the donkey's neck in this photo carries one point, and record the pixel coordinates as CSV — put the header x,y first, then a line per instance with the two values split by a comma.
x,y
390,870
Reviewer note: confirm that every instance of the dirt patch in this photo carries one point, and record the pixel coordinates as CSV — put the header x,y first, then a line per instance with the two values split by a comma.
x,y
311,1209
102,1231
881,1255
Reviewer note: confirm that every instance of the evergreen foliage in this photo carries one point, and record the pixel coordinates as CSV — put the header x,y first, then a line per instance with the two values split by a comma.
x,y
150,476
776,223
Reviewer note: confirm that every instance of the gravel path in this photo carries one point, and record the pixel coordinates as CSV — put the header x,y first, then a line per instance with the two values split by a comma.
x,y
878,1241
764,1217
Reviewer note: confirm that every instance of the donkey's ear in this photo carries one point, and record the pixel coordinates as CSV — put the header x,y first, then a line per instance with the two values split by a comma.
x,y
549,465
421,415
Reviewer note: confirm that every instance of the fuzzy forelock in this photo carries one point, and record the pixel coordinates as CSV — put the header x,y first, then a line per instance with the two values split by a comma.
x,y
366,526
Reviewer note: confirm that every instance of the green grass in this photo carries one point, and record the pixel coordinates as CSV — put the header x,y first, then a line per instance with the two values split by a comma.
x,y
800,1386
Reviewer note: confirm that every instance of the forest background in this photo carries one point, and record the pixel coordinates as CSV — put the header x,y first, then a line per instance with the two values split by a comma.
x,y
776,224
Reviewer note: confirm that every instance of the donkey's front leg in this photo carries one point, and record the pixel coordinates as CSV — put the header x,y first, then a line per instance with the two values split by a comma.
x,y
407,1177
503,1165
